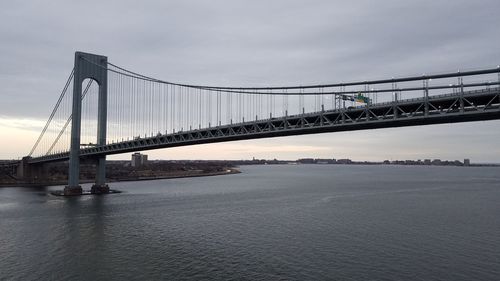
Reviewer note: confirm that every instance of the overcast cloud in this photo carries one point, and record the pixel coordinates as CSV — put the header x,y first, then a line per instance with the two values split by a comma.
x,y
257,43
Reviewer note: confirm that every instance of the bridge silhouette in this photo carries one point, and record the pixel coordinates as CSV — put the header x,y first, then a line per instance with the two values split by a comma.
x,y
105,109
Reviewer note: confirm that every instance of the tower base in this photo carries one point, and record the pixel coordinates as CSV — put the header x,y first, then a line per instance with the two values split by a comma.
x,y
99,189
72,190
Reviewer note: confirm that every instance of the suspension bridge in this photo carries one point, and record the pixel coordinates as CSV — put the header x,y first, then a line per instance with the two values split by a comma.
x,y
106,109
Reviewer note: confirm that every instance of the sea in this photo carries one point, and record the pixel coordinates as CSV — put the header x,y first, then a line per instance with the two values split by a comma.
x,y
270,222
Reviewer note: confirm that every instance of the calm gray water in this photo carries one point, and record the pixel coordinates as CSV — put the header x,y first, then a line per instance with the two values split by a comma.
x,y
305,222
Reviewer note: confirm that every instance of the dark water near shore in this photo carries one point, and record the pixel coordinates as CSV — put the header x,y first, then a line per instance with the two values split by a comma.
x,y
306,222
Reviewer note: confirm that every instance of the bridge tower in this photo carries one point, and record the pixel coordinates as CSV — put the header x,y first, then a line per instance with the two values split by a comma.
x,y
88,66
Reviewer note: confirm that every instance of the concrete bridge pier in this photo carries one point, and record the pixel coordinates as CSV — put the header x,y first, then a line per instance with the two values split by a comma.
x,y
100,186
31,173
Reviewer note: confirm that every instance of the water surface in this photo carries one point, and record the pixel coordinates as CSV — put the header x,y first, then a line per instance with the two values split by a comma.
x,y
297,222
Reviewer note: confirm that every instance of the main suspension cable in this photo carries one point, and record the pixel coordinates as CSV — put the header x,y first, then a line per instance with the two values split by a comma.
x,y
321,91
68,120
255,90
379,81
61,96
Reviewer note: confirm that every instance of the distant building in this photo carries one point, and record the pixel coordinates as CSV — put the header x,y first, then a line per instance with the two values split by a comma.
x,y
138,159
344,161
323,161
466,162
427,161
436,162
306,161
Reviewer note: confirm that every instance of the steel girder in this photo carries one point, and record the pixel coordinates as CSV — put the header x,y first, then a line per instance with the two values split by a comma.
x,y
457,107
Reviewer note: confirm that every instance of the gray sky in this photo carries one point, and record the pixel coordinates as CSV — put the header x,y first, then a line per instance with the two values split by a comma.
x,y
254,43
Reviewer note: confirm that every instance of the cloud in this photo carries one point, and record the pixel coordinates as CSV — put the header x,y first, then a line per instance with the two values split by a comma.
x,y
236,42
29,124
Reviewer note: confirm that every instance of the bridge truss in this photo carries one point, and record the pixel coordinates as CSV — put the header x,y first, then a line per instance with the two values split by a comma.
x,y
146,113
473,105
113,110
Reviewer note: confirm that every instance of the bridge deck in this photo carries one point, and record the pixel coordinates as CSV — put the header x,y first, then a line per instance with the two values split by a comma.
x,y
457,107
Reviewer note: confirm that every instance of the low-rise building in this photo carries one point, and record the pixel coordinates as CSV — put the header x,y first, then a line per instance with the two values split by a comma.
x,y
138,159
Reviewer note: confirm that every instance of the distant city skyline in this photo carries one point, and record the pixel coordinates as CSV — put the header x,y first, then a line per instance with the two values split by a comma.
x,y
254,43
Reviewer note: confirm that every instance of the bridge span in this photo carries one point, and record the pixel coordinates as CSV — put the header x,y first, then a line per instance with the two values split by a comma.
x,y
113,110
449,108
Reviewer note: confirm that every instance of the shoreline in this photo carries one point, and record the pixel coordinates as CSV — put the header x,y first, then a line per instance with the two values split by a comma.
x,y
210,174
229,171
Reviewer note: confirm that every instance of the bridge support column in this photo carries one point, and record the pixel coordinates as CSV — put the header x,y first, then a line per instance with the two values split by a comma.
x,y
100,185
87,66
32,173
22,170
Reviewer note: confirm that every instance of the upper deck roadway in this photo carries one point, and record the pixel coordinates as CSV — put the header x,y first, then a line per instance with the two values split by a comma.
x,y
466,106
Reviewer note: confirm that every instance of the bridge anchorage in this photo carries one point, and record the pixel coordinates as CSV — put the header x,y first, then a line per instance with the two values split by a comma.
x,y
113,110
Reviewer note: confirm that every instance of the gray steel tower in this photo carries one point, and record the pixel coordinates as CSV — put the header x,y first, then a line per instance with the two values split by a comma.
x,y
88,66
